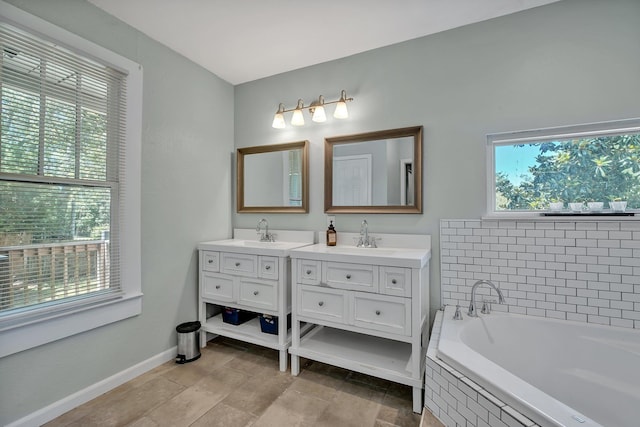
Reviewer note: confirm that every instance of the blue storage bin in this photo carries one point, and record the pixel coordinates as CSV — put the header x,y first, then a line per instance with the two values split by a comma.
x,y
269,324
236,316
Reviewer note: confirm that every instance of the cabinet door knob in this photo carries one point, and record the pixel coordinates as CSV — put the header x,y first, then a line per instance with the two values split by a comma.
x,y
377,312
237,264
267,267
394,281
255,292
308,271
321,303
348,276
217,286
210,261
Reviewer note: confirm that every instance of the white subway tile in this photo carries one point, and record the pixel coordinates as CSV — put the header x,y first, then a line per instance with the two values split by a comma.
x,y
516,233
598,319
567,308
606,225
576,234
535,233
546,257
623,323
610,312
481,412
576,251
586,226
559,234
565,242
577,317
525,225
565,225
556,250
587,243
603,243
620,235
535,312
468,414
610,260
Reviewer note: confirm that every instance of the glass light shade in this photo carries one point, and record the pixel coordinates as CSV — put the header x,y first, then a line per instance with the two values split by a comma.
x,y
298,118
341,110
319,115
278,121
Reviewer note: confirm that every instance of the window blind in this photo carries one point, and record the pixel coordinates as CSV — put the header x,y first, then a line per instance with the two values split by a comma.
x,y
61,159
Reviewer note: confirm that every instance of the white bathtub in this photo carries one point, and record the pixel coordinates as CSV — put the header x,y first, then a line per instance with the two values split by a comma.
x,y
556,372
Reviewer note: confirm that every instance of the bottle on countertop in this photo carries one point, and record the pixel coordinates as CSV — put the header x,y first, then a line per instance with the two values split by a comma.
x,y
332,235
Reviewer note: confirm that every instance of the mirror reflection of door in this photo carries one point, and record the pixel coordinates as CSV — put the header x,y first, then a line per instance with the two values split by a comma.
x,y
352,180
406,182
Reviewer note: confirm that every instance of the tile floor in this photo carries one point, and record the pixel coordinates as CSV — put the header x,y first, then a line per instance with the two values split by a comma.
x,y
238,384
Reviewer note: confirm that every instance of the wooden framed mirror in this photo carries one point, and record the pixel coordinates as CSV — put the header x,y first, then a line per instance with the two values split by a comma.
x,y
374,172
273,178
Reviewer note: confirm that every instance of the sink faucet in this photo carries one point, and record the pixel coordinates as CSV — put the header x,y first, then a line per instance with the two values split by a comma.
x,y
266,236
472,306
365,241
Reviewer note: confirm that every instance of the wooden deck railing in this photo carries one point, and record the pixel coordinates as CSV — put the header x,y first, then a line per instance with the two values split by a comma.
x,y
31,274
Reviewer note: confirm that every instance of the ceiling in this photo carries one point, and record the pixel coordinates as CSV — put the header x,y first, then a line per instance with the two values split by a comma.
x,y
245,40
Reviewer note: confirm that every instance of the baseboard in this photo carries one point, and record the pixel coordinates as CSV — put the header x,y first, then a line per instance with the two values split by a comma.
x,y
74,400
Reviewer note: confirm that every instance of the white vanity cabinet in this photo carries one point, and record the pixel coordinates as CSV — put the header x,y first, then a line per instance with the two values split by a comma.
x,y
369,308
249,275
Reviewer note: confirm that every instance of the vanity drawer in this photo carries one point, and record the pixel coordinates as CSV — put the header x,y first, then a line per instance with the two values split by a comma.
x,y
322,303
395,281
309,272
260,294
217,287
210,261
382,313
268,267
359,277
240,264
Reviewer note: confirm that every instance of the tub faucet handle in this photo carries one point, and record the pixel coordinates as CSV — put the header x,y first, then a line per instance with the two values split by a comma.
x,y
486,306
457,315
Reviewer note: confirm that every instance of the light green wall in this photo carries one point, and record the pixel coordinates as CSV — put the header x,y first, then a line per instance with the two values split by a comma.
x,y
186,192
571,62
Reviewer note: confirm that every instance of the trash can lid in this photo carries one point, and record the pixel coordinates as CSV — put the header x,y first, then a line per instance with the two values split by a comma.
x,y
187,327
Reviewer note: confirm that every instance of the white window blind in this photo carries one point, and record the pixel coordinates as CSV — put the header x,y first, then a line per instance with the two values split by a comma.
x,y
61,163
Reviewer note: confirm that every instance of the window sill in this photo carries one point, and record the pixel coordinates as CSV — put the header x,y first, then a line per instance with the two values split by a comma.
x,y
48,329
536,216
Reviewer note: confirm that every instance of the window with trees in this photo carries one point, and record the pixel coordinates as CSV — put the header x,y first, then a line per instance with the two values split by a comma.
x,y
589,163
69,183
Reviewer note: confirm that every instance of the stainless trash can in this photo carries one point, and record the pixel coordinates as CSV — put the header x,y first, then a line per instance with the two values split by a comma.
x,y
188,342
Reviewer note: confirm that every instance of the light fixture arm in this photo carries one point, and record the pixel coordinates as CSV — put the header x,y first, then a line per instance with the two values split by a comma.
x,y
320,101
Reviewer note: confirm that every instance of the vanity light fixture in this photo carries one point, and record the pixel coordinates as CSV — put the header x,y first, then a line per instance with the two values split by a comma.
x,y
278,119
316,108
298,119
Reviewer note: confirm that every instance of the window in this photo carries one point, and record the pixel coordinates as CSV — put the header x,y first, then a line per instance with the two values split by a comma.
x,y
69,202
580,164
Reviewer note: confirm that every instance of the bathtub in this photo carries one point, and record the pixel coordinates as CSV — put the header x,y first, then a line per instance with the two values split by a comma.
x,y
555,372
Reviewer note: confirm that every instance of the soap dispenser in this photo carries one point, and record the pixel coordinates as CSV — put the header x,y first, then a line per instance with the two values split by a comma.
x,y
332,235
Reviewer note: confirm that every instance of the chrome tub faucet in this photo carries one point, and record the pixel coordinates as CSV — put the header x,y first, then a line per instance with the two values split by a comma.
x,y
472,306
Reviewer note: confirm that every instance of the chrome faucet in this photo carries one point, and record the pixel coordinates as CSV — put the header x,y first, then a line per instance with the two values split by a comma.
x,y
366,241
472,306
266,236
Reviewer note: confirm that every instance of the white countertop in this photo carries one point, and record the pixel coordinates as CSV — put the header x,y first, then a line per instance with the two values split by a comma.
x,y
246,242
391,256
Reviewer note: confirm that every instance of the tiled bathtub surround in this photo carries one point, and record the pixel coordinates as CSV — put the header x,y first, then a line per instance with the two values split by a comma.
x,y
576,270
457,401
